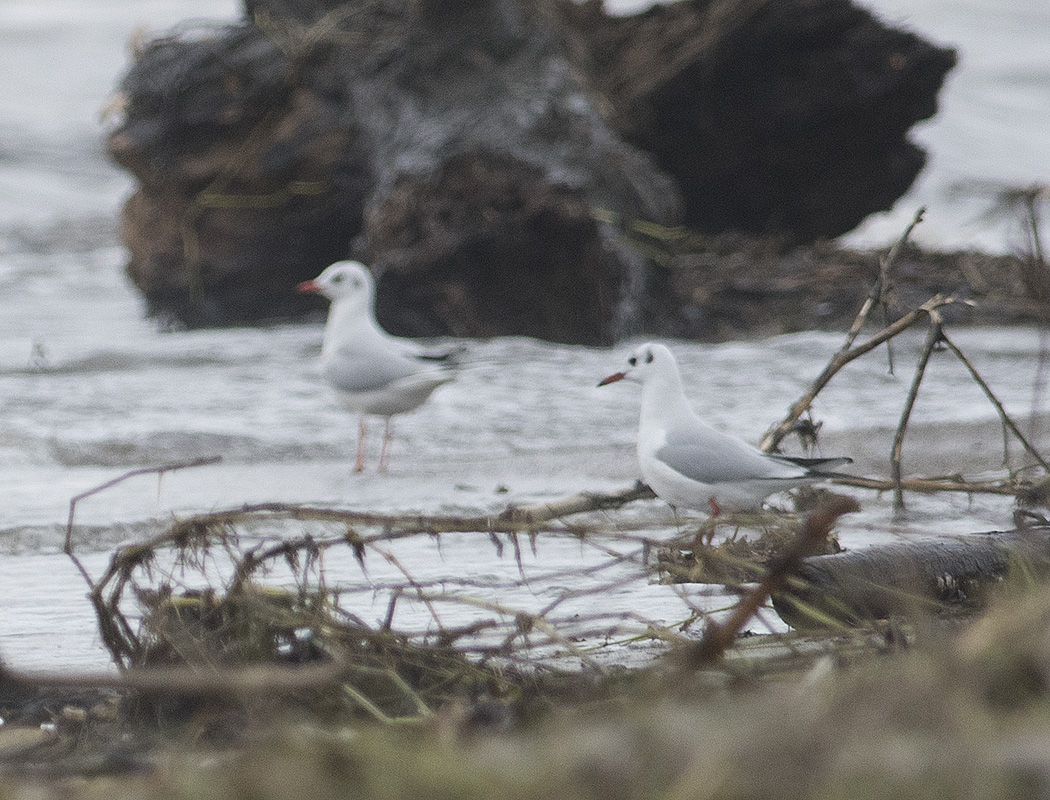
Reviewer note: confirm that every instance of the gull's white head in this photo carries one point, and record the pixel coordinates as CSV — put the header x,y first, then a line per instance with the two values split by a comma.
x,y
646,361
344,280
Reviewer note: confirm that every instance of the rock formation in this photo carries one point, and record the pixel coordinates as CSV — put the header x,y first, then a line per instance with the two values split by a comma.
x,y
484,156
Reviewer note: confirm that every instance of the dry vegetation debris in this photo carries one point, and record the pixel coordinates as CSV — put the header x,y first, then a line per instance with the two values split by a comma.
x,y
244,669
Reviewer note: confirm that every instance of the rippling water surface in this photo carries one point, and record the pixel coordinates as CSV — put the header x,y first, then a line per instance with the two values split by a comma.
x,y
91,391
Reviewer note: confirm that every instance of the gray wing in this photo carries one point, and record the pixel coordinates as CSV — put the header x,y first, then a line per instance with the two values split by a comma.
x,y
709,456
371,368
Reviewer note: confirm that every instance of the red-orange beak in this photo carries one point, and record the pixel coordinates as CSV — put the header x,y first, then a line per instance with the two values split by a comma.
x,y
616,376
310,287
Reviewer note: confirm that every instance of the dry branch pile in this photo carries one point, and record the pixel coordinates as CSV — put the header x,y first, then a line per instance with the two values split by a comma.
x,y
207,593
236,588
235,557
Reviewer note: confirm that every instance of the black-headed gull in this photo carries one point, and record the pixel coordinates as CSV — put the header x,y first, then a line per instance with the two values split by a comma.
x,y
690,464
375,373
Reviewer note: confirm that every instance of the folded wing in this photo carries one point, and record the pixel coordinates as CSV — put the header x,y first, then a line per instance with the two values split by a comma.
x,y
365,369
708,456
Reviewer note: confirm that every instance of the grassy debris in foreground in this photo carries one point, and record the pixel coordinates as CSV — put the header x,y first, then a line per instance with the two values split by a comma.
x,y
954,714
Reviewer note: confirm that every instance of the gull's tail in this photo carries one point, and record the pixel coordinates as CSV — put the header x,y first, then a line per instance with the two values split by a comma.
x,y
817,467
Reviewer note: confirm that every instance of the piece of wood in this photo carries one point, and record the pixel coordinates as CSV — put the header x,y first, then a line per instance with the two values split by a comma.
x,y
775,116
719,636
909,578
472,151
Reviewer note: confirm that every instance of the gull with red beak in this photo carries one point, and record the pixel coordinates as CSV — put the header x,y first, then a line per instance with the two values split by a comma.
x,y
373,372
688,463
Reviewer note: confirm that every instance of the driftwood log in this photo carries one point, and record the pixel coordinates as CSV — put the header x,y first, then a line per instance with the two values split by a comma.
x,y
483,156
449,145
773,117
910,578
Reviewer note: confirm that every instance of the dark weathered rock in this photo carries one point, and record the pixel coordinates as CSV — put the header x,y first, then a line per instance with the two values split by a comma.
x,y
488,159
784,117
450,142
248,178
504,250
481,155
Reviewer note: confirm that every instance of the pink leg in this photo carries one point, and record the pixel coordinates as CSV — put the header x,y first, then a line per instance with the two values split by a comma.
x,y
388,432
362,429
716,511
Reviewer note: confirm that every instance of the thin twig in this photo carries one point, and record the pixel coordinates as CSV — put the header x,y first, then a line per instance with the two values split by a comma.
x,y
260,680
1032,211
881,285
840,359
1007,422
512,519
847,353
114,629
68,548
932,338
420,593
929,485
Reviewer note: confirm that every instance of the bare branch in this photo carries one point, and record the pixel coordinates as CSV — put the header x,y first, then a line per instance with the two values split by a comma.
x,y
840,359
932,338
719,637
513,519
929,485
68,548
1007,422
881,284
262,680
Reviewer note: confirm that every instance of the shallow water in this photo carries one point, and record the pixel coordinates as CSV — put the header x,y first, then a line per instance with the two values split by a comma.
x,y
90,389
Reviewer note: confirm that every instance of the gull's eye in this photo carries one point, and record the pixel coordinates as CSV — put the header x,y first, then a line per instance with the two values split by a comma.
x,y
649,357
337,278
632,361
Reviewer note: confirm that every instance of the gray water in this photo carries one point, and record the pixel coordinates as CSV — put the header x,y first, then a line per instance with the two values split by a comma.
x,y
91,390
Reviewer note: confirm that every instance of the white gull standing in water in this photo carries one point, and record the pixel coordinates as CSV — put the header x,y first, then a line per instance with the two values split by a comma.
x,y
375,373
688,463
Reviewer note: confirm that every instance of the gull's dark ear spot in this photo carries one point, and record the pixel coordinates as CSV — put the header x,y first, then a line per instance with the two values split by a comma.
x,y
649,357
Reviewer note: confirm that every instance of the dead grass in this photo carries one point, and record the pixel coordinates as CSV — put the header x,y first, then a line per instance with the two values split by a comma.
x,y
961,713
